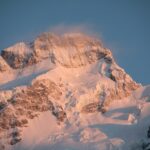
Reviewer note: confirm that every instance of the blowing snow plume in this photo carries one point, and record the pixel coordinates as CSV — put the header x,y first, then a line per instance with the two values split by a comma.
x,y
82,28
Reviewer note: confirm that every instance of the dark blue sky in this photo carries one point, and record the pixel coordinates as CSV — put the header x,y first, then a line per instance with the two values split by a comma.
x,y
123,25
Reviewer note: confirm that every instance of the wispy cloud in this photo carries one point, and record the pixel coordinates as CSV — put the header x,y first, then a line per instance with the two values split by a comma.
x,y
78,28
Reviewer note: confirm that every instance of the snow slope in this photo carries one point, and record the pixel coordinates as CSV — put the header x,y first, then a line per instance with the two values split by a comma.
x,y
115,129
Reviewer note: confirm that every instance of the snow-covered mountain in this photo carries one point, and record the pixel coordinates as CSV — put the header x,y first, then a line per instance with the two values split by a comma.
x,y
67,92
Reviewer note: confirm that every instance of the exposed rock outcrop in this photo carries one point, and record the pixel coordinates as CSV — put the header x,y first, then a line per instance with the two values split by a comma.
x,y
3,65
17,56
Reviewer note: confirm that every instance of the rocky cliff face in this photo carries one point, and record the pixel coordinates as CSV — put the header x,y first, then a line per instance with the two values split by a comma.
x,y
70,50
61,90
3,65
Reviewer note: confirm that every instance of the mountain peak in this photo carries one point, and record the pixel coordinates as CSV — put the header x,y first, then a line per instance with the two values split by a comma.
x,y
70,50
67,75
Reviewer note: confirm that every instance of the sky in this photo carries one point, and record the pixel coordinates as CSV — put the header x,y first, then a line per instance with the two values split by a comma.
x,y
123,25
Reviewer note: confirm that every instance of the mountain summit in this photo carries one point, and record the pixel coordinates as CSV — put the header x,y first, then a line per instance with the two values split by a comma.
x,y
58,91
